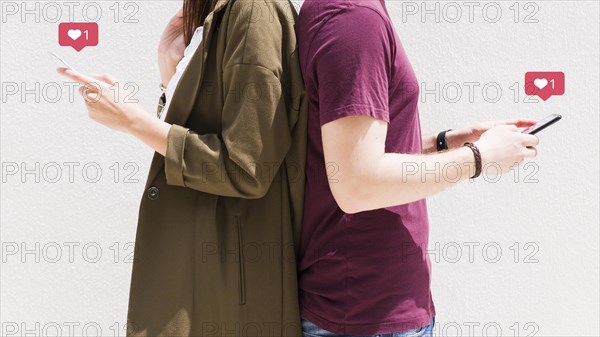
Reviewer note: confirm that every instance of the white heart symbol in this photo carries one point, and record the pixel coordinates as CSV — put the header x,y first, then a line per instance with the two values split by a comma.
x,y
540,82
74,33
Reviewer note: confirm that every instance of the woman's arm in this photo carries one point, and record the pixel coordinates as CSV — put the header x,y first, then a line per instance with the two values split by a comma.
x,y
171,47
241,161
150,130
244,157
108,110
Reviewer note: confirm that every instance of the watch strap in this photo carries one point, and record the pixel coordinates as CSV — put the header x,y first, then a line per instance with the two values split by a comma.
x,y
441,142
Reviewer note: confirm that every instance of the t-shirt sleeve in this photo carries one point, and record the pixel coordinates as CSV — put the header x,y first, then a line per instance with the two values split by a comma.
x,y
352,65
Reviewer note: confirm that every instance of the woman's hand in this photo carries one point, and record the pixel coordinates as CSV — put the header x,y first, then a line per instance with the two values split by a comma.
x,y
171,47
471,134
104,98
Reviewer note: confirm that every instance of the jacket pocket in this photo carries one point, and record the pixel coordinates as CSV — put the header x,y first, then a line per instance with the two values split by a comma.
x,y
242,281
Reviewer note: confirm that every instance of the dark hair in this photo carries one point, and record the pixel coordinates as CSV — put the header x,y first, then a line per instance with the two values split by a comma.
x,y
194,13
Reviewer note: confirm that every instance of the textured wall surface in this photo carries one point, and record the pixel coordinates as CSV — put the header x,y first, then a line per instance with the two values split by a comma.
x,y
511,256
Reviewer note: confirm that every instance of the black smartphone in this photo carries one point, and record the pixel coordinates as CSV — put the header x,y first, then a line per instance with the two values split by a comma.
x,y
541,125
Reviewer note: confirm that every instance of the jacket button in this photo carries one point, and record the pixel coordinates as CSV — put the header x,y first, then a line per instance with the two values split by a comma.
x,y
153,193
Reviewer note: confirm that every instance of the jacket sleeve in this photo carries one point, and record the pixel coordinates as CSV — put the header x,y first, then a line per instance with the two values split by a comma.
x,y
243,159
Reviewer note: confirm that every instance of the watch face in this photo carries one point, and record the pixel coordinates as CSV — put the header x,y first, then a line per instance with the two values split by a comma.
x,y
441,141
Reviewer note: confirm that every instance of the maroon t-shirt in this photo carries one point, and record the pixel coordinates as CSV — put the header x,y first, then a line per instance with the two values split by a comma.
x,y
365,273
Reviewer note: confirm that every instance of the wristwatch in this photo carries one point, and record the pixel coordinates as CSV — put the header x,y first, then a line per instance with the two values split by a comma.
x,y
441,142
161,105
162,100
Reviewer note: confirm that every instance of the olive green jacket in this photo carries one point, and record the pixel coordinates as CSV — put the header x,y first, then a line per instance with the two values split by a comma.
x,y
219,222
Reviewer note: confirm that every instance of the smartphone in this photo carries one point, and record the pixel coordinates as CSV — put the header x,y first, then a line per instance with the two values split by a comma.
x,y
61,60
541,125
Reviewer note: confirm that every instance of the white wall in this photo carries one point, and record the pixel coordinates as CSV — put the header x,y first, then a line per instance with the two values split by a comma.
x,y
545,282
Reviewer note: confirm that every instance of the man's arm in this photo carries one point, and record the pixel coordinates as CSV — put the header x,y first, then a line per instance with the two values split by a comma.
x,y
428,143
350,67
456,138
369,178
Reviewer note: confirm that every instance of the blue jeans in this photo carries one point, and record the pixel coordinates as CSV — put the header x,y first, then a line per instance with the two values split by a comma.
x,y
311,330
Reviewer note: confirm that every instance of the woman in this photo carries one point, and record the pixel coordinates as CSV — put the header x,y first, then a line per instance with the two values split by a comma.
x,y
218,225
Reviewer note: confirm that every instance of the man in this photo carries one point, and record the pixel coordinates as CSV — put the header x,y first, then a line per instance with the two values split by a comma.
x,y
364,268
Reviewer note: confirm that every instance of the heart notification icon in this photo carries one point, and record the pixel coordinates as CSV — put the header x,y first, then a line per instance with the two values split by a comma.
x,y
74,33
545,84
78,34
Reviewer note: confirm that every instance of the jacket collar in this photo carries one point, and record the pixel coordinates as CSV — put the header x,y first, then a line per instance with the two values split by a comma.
x,y
185,94
182,103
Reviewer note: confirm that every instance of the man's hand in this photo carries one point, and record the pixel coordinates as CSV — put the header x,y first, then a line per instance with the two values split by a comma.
x,y
505,147
471,134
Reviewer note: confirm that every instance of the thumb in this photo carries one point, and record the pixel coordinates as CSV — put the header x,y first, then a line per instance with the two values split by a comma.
x,y
510,127
107,78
